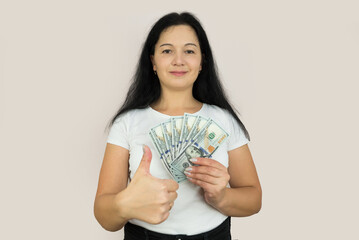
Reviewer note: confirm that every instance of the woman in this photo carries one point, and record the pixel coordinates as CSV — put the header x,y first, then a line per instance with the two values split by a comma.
x,y
176,74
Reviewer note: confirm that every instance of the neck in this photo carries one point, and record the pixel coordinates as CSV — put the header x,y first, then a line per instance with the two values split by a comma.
x,y
176,102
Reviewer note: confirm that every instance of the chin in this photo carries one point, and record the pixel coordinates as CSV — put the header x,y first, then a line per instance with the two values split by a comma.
x,y
178,84
178,87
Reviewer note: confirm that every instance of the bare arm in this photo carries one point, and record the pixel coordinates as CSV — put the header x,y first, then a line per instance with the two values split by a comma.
x,y
146,198
112,180
244,198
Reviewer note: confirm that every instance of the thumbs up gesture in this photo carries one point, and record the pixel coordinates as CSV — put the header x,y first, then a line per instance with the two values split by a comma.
x,y
148,198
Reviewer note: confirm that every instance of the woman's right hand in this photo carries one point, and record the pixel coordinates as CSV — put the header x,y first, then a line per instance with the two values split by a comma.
x,y
147,198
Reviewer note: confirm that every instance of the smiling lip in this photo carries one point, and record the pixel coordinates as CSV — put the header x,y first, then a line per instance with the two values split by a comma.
x,y
178,73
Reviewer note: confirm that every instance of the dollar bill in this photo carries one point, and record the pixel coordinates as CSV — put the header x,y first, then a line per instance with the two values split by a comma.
x,y
167,134
165,159
204,144
199,123
179,139
163,140
176,126
158,141
187,124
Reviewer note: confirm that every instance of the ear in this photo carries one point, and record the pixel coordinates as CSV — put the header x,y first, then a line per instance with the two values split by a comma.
x,y
153,63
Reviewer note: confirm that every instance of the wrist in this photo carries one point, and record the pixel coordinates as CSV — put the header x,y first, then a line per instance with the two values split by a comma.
x,y
121,206
221,203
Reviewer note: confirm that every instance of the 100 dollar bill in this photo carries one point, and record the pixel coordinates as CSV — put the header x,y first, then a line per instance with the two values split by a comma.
x,y
204,144
166,160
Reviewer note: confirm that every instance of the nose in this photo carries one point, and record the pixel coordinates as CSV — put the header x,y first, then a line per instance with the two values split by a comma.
x,y
178,59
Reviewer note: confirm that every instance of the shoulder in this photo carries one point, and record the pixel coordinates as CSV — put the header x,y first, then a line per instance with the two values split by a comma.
x,y
129,115
213,109
129,119
219,114
122,128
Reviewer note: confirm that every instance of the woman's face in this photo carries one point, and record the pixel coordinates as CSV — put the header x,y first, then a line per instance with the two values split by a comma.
x,y
177,57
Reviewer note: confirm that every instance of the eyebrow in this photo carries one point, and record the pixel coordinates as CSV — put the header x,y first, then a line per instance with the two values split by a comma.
x,y
172,45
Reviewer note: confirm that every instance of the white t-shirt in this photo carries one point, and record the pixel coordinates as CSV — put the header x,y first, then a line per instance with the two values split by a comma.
x,y
190,213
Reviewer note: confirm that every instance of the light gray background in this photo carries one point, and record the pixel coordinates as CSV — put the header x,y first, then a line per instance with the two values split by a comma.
x,y
290,67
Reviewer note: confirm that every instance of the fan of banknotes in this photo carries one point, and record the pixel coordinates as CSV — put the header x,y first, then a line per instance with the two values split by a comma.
x,y
184,137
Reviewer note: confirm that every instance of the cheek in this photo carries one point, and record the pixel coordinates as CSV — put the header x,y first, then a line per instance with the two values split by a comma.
x,y
160,64
194,63
162,61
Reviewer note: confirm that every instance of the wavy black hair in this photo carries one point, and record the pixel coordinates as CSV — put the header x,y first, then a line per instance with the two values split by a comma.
x,y
145,86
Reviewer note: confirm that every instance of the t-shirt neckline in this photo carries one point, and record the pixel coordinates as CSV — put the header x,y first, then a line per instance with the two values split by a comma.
x,y
165,115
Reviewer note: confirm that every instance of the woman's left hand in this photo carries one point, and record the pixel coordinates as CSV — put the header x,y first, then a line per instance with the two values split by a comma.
x,y
212,177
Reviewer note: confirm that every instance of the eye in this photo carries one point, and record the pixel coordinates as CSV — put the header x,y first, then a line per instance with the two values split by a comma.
x,y
190,51
166,51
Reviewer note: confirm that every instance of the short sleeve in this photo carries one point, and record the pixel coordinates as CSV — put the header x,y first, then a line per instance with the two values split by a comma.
x,y
237,138
118,134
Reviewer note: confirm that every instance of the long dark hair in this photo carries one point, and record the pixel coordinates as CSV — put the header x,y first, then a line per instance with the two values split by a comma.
x,y
145,87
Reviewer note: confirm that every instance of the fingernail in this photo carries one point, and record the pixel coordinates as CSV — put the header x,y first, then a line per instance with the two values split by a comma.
x,y
187,173
188,169
143,148
193,160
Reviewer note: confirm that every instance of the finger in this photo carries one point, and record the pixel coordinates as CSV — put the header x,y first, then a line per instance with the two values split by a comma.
x,y
172,196
204,178
214,172
203,185
165,216
208,162
171,184
146,159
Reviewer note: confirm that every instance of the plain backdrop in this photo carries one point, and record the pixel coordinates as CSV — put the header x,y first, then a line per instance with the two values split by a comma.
x,y
289,67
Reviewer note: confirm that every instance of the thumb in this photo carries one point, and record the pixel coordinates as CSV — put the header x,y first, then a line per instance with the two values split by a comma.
x,y
146,160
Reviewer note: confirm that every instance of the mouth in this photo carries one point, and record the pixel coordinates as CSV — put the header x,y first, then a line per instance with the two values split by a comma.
x,y
178,73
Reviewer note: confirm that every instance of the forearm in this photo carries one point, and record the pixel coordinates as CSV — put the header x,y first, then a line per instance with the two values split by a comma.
x,y
108,213
240,202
